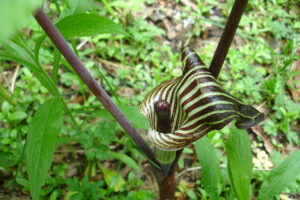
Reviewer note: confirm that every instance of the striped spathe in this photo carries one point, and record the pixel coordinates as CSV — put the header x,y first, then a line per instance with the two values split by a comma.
x,y
198,105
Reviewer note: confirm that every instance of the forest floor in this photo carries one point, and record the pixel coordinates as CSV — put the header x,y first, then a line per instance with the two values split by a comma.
x,y
262,69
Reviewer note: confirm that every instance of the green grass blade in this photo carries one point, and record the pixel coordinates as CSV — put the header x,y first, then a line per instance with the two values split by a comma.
x,y
78,25
38,44
125,159
56,61
42,133
209,162
239,155
284,174
109,85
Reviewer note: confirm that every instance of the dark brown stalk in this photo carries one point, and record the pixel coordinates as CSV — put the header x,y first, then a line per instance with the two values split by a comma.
x,y
167,186
166,177
92,84
227,37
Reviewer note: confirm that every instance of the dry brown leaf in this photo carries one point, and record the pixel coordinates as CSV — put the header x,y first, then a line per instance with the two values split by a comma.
x,y
72,170
76,99
171,34
266,139
190,4
126,91
144,13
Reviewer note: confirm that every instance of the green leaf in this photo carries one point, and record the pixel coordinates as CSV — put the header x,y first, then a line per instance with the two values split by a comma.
x,y
42,133
239,155
56,61
14,14
5,108
17,116
22,181
125,159
134,5
112,179
78,25
38,44
77,6
280,177
7,159
14,50
209,162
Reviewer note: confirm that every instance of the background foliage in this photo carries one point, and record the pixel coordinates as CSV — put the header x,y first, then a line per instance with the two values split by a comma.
x,y
131,50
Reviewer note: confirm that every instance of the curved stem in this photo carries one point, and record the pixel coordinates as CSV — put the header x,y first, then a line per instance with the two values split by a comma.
x,y
92,84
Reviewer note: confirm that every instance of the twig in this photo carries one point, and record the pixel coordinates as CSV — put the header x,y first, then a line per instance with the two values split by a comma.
x,y
227,37
14,78
222,166
116,65
81,44
87,78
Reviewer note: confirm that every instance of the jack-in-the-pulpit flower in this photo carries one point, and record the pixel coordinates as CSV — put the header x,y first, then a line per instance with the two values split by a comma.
x,y
198,105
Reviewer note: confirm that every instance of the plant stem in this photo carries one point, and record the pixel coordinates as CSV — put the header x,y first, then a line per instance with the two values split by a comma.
x,y
227,37
109,8
167,186
92,84
166,176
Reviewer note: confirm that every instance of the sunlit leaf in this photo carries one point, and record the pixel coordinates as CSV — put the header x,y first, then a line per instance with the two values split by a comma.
x,y
112,179
280,177
210,171
87,25
77,6
125,159
42,133
17,116
239,155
